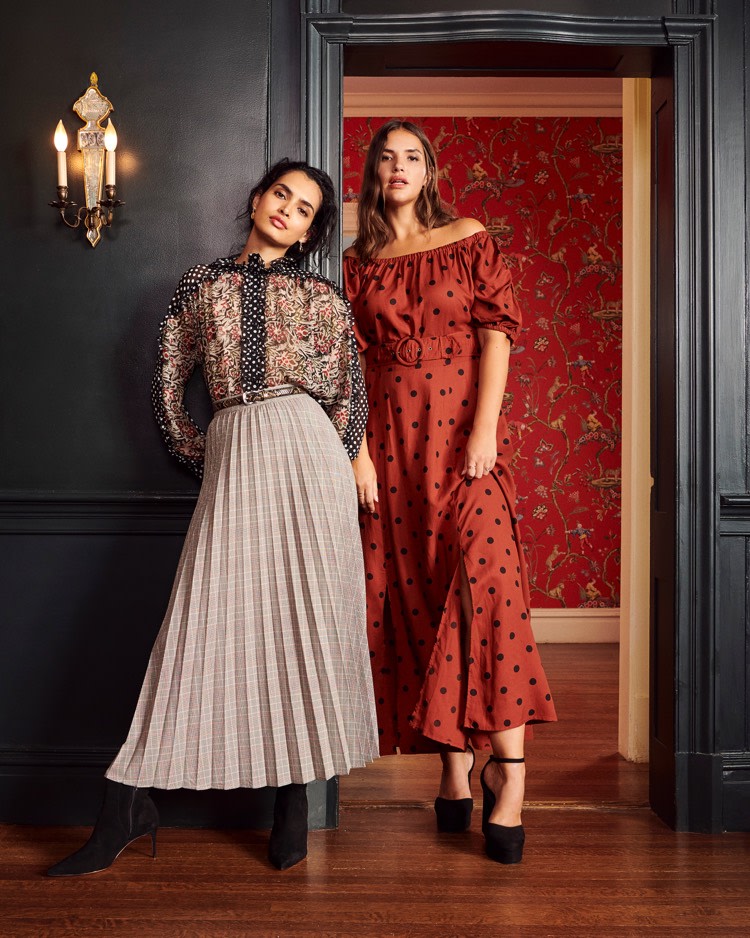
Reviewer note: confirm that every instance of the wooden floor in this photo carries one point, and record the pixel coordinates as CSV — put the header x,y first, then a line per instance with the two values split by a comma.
x,y
598,862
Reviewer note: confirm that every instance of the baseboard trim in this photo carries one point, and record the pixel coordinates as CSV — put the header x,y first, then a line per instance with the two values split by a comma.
x,y
576,626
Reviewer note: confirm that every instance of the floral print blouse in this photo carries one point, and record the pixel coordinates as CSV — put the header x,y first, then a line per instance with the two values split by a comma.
x,y
251,327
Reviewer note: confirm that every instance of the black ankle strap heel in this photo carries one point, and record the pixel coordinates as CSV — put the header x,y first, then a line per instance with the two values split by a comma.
x,y
502,844
454,814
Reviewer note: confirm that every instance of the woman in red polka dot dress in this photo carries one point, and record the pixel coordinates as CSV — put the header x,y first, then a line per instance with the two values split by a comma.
x,y
453,655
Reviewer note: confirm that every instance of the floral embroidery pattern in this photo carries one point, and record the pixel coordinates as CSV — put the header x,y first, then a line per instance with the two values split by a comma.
x,y
550,191
309,341
309,332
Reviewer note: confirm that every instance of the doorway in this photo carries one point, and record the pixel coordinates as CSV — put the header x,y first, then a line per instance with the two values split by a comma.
x,y
585,46
552,166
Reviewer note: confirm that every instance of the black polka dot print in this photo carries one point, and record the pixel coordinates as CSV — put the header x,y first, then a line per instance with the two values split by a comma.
x,y
421,379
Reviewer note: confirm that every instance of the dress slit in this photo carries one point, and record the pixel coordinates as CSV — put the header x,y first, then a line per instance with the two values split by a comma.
x,y
493,680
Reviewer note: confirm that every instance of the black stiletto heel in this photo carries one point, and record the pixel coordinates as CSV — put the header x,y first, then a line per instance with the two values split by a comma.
x,y
127,814
502,844
454,814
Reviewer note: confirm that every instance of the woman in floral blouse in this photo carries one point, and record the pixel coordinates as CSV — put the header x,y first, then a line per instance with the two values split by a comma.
x,y
260,673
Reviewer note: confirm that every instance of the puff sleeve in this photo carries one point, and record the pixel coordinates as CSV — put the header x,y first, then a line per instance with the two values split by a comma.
x,y
341,393
495,305
179,354
351,289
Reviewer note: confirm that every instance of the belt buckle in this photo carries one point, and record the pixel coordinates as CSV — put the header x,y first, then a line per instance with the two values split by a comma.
x,y
405,353
248,397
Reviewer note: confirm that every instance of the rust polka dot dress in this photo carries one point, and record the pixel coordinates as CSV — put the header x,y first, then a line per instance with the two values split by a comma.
x,y
416,318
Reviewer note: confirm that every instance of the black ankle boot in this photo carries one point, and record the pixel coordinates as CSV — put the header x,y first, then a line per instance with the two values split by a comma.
x,y
288,844
127,814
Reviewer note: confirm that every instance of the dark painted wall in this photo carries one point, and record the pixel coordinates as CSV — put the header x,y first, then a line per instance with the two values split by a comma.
x,y
188,82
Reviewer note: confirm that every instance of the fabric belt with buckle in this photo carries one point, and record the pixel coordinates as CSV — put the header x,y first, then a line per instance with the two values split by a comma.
x,y
255,397
412,349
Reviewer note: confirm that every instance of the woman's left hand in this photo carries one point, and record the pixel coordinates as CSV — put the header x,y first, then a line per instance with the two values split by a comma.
x,y
481,454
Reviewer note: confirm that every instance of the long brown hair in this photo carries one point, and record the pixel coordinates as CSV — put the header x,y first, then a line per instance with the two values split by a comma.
x,y
372,228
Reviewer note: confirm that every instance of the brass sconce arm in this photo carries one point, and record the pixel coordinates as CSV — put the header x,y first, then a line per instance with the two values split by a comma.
x,y
101,216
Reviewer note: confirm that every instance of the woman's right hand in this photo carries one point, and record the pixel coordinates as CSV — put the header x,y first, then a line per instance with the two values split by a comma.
x,y
366,479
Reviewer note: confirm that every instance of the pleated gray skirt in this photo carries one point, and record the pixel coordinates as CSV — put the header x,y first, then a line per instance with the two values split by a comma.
x,y
260,674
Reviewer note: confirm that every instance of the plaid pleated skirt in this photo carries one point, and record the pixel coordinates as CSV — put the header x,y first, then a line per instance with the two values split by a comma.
x,y
260,674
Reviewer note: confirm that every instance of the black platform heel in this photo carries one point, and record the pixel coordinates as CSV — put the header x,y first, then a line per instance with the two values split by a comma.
x,y
502,844
454,814
127,814
288,843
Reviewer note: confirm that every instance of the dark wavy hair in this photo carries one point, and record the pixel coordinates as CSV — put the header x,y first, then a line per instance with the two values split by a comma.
x,y
324,222
372,227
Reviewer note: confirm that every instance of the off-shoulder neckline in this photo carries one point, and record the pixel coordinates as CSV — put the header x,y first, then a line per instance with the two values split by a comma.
x,y
442,247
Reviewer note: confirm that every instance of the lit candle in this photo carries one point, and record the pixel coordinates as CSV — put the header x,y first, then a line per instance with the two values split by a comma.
x,y
110,142
61,143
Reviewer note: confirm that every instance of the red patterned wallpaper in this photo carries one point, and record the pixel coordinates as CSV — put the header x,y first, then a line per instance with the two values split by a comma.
x,y
550,190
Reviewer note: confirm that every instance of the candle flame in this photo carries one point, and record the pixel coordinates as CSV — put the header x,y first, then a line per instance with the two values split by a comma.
x,y
61,138
110,137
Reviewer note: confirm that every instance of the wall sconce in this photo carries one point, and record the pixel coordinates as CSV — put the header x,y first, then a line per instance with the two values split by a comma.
x,y
97,145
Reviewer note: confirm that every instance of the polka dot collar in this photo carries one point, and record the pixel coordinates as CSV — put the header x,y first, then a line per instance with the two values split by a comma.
x,y
284,265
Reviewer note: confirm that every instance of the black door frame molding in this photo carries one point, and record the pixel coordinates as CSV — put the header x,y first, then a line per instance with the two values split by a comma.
x,y
312,89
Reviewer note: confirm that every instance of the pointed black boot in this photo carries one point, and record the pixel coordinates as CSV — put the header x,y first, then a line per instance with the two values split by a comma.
x,y
502,844
454,814
288,844
127,814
